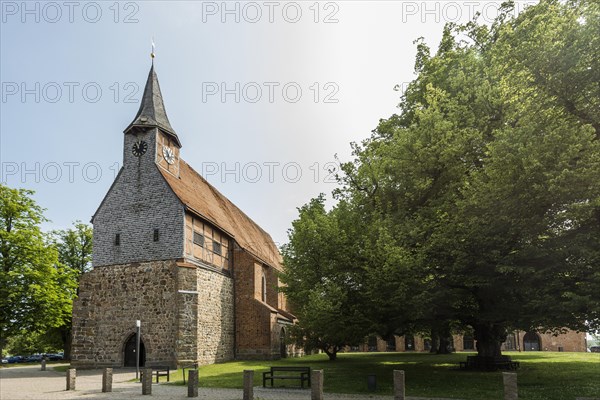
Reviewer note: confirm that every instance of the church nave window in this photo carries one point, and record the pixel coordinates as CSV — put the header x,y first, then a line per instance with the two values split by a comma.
x,y
199,239
217,247
118,239
156,235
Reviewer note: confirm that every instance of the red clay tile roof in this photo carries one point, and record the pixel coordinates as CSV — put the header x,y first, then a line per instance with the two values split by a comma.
x,y
202,198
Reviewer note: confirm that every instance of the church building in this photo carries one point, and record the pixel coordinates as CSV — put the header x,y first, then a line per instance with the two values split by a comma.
x,y
174,253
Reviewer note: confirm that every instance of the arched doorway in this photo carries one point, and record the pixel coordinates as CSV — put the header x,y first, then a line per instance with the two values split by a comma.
x,y
427,344
282,344
468,342
511,342
129,358
531,342
372,343
409,343
391,343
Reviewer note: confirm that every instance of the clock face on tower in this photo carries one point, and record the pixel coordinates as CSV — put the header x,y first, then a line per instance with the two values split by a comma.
x,y
168,154
139,148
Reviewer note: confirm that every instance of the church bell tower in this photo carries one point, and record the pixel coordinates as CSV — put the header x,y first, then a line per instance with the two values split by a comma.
x,y
150,133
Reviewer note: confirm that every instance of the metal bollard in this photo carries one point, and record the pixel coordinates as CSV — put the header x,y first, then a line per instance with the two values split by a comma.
x,y
43,365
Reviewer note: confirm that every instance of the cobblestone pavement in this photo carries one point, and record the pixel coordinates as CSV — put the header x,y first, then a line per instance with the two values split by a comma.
x,y
29,383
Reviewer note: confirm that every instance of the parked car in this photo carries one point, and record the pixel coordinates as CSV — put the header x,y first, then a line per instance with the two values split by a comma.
x,y
4,361
34,358
15,359
595,349
54,357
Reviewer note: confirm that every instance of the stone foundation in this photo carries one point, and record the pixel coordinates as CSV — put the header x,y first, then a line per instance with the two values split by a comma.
x,y
186,314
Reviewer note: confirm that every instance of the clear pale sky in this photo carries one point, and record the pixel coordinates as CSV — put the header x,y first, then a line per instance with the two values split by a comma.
x,y
261,94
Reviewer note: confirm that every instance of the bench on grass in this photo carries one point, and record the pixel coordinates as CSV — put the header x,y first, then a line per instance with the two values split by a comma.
x,y
300,373
489,363
161,371
190,366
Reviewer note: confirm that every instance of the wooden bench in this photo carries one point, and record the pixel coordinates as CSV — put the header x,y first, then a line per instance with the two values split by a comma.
x,y
489,363
161,371
190,366
300,373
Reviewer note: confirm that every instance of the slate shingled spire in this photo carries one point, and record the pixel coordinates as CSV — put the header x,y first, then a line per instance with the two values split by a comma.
x,y
152,113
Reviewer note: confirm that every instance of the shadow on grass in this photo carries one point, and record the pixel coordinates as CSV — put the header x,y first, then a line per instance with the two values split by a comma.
x,y
542,376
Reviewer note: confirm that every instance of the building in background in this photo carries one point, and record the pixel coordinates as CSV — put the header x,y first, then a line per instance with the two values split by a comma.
x,y
516,341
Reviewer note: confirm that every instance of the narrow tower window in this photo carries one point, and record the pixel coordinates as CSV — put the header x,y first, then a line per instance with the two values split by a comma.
x,y
156,235
118,239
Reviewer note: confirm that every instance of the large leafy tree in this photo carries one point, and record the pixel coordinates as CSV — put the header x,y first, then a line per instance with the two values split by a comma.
x,y
322,280
74,248
488,177
31,291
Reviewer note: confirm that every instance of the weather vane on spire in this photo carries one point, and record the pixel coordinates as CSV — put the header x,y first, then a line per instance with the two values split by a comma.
x,y
152,55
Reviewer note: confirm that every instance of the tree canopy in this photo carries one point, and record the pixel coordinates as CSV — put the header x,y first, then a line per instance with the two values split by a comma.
x,y
322,280
32,281
483,191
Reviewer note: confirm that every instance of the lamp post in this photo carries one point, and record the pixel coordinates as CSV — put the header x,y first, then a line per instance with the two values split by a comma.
x,y
138,325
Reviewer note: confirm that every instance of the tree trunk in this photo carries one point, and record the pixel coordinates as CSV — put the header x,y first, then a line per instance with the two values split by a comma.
x,y
444,346
331,352
67,339
489,338
445,339
435,343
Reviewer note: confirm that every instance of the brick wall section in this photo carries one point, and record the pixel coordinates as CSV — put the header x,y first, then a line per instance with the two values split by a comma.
x,y
570,341
256,330
138,202
111,299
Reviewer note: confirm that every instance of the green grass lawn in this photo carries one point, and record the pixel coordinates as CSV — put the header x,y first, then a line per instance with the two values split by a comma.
x,y
542,376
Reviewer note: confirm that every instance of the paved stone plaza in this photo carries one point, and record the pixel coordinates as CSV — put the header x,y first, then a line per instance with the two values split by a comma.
x,y
29,383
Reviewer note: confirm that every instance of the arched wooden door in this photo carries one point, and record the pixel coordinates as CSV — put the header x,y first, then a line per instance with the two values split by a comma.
x,y
129,358
532,342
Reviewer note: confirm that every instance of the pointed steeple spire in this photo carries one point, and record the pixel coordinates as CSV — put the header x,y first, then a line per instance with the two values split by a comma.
x,y
152,113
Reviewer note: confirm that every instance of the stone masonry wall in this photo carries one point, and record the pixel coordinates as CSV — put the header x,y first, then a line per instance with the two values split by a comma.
x,y
111,299
186,314
138,202
215,317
